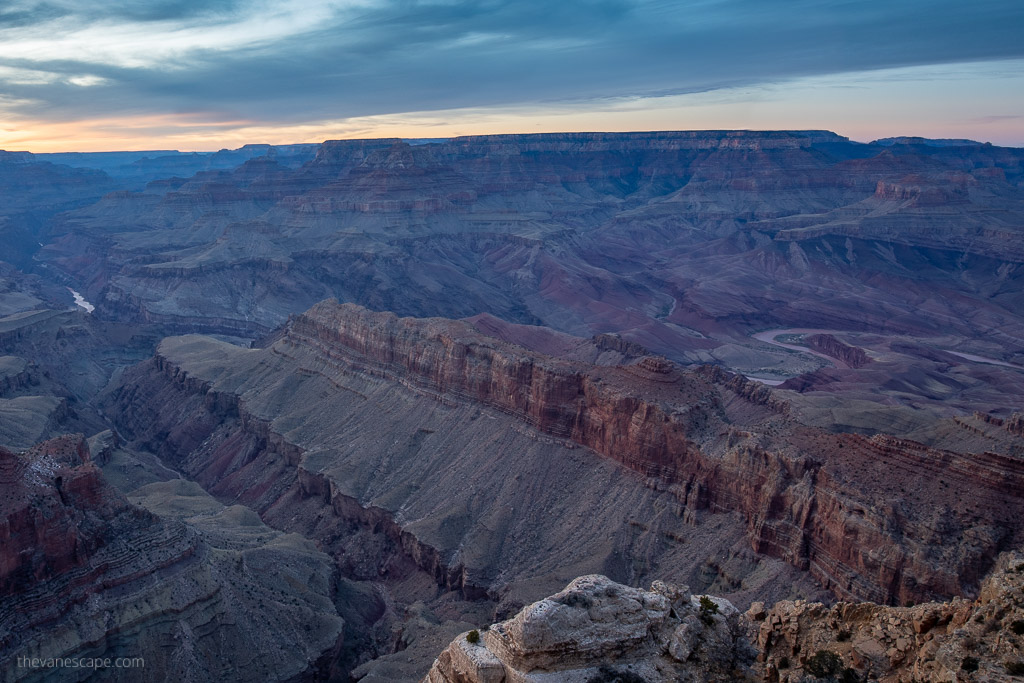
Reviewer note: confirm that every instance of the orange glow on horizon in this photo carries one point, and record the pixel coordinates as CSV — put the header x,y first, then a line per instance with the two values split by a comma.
x,y
862,106
166,133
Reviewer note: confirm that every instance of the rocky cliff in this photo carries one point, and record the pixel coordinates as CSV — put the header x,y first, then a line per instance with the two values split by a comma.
x,y
851,356
712,443
961,640
597,630
86,574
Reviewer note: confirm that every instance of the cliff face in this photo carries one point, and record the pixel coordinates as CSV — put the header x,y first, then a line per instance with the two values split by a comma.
x,y
86,574
55,513
714,443
614,411
806,498
851,356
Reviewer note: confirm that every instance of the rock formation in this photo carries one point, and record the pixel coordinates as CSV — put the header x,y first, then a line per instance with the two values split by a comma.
x,y
681,241
86,574
851,356
624,395
962,640
599,630
711,442
596,630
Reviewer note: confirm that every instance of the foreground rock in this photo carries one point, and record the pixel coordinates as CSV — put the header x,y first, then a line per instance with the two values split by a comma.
x,y
598,630
961,640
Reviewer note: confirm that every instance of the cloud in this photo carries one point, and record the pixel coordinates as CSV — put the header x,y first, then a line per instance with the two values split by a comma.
x,y
286,63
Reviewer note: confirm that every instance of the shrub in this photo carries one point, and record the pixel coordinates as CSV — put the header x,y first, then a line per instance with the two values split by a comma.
x,y
473,636
783,662
969,664
708,609
843,636
1014,668
824,663
708,605
1018,627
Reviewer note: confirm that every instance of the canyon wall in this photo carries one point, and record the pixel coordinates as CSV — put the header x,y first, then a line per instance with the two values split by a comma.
x,y
825,503
681,241
85,574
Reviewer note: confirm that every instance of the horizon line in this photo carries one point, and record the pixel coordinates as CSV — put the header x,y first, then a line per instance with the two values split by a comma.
x,y
431,139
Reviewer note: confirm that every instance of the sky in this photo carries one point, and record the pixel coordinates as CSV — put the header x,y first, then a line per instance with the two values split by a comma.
x,y
81,75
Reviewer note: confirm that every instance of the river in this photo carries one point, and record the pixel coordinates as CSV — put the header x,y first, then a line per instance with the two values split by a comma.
x,y
770,335
81,302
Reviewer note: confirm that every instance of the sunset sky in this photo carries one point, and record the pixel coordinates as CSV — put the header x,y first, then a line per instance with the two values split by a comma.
x,y
191,75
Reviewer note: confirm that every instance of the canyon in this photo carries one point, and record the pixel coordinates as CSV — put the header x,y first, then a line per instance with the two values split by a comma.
x,y
316,412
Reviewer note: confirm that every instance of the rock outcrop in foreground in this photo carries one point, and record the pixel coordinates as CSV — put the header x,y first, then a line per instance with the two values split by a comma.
x,y
598,630
960,640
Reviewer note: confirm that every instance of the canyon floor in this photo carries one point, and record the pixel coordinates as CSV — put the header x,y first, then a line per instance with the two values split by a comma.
x,y
311,412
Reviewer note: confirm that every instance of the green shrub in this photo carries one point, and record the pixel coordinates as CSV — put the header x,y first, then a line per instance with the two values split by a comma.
x,y
824,663
708,609
708,605
969,664
473,636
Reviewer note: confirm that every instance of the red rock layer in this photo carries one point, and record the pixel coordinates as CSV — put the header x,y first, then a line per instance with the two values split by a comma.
x,y
853,356
66,535
54,508
882,518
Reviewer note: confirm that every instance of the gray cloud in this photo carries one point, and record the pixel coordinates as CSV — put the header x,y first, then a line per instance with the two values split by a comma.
x,y
22,14
408,55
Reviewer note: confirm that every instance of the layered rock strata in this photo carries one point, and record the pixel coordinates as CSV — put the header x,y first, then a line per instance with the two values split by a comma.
x,y
852,356
86,575
685,242
713,443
